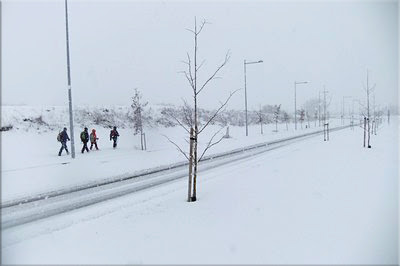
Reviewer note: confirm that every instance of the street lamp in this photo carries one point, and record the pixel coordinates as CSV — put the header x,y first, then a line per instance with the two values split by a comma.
x,y
295,108
71,119
245,89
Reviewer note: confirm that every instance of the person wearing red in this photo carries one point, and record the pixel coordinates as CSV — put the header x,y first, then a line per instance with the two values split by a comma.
x,y
93,139
114,136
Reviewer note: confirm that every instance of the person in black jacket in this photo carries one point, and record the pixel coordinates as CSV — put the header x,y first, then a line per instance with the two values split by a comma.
x,y
63,138
114,136
85,139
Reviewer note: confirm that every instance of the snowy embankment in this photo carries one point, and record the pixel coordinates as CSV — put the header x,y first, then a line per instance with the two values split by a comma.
x,y
30,164
312,202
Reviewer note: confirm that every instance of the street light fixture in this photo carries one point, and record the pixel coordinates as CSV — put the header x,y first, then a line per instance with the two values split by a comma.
x,y
245,89
295,108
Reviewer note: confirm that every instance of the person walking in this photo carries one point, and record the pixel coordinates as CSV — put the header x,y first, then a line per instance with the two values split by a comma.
x,y
114,136
93,139
85,139
63,138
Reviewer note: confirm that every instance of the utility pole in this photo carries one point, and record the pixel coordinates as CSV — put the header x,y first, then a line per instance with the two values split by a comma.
x,y
71,119
245,89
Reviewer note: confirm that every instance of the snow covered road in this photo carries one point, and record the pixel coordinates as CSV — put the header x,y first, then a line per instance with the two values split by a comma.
x,y
38,170
42,206
310,202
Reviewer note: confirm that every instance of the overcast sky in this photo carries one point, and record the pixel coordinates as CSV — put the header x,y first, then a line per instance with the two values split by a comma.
x,y
117,46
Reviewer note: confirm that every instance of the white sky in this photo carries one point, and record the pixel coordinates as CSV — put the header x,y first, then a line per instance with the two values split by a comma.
x,y
117,46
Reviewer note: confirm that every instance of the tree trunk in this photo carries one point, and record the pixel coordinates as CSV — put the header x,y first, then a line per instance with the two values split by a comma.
x,y
327,131
190,165
141,128
365,130
195,116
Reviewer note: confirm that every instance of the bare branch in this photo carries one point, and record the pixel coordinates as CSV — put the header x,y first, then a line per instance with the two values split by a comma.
x,y
187,113
190,72
192,31
201,64
201,27
210,144
227,56
177,147
177,120
217,111
372,88
188,79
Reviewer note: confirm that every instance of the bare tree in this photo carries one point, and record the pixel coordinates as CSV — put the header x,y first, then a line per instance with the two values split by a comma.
x,y
367,110
277,112
191,75
286,118
260,119
138,108
316,117
301,113
308,119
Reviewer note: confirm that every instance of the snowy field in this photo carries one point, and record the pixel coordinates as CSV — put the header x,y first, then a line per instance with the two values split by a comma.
x,y
310,202
30,164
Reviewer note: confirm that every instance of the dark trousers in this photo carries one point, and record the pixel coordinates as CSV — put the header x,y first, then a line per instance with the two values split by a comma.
x,y
114,142
95,144
85,147
63,146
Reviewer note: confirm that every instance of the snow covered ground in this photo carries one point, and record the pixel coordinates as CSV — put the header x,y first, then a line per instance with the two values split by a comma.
x,y
30,164
310,202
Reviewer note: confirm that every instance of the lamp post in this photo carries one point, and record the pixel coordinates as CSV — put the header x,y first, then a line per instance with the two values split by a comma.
x,y
295,107
245,89
71,119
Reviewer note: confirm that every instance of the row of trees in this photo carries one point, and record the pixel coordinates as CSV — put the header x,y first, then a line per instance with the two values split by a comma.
x,y
168,116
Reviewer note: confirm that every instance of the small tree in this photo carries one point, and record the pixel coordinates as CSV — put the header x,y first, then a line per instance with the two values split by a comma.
x,y
260,119
286,118
315,117
191,75
138,109
277,112
366,110
302,116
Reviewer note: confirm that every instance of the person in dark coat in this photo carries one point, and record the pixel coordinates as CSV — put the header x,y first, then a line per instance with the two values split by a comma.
x,y
114,136
85,139
63,138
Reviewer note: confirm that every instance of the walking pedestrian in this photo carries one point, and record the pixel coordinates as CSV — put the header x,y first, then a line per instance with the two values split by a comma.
x,y
85,139
63,138
93,139
114,136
